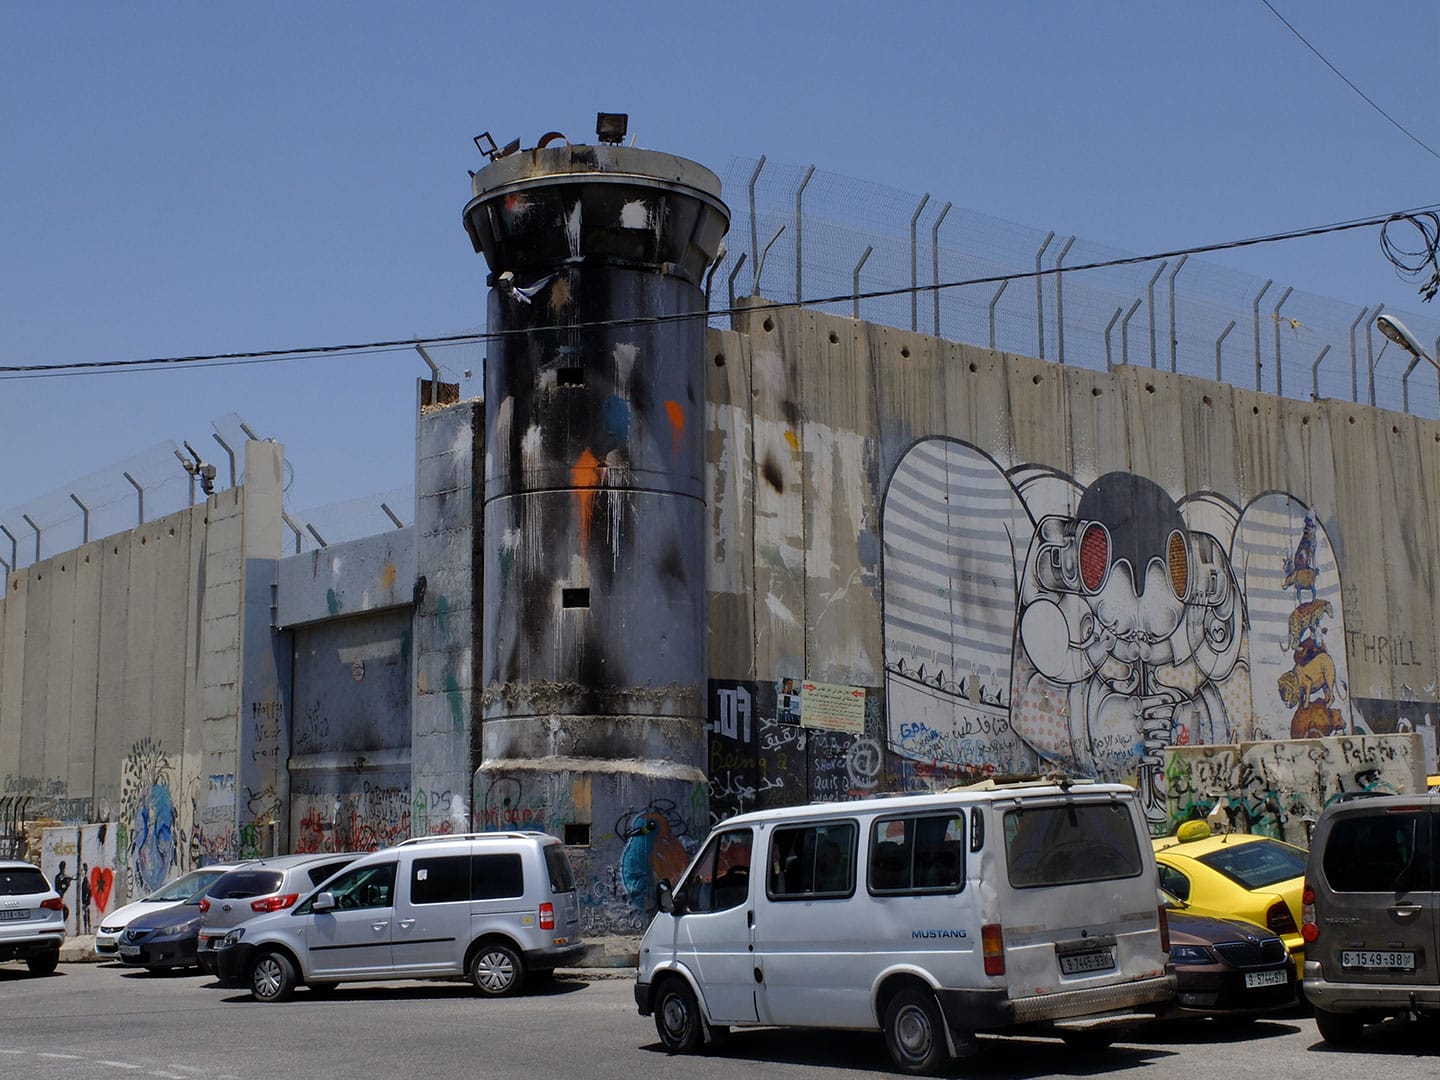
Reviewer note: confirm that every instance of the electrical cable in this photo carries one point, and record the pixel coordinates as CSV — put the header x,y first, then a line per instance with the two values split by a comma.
x,y
313,351
1368,100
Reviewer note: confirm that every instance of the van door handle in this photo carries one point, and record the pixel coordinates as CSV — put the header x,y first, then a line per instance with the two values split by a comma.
x,y
405,924
379,925
1405,911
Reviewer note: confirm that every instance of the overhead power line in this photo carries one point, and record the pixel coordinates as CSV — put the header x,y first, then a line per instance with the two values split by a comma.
x,y
313,351
1368,99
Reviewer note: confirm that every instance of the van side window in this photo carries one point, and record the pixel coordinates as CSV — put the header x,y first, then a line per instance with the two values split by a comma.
x,y
440,881
1070,843
918,854
813,861
367,887
720,878
1370,853
495,877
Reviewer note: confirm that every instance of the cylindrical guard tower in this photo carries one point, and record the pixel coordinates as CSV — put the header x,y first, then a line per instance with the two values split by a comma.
x,y
594,527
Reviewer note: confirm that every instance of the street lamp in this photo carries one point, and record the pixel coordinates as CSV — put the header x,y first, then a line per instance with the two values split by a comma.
x,y
1400,334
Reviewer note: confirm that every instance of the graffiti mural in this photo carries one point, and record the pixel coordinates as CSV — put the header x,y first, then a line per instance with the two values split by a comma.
x,y
657,845
1033,623
1279,787
79,860
148,844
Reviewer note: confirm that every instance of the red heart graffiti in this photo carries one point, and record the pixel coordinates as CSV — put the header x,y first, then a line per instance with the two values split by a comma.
x,y
102,880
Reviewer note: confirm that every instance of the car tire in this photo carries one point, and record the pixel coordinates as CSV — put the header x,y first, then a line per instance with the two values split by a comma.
x,y
497,970
1339,1029
272,977
43,963
677,1017
915,1033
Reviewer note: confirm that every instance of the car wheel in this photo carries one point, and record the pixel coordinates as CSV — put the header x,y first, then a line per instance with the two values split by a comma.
x,y
272,977
915,1033
497,970
44,963
677,1017
1339,1029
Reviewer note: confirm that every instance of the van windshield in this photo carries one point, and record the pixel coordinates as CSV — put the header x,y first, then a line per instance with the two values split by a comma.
x,y
1070,843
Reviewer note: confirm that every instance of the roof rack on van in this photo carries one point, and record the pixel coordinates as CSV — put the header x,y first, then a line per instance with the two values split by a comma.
x,y
440,838
1012,780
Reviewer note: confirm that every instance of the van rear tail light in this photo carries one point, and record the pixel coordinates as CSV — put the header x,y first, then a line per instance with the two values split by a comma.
x,y
547,916
53,904
992,946
1279,919
1164,931
274,903
1309,928
204,904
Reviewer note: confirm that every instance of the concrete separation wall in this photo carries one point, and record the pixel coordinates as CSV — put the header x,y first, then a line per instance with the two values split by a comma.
x,y
931,561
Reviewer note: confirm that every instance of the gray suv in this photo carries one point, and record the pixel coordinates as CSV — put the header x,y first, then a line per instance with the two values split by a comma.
x,y
496,907
32,918
1371,913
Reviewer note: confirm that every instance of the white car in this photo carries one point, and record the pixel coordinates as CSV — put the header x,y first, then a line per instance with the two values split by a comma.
x,y
107,940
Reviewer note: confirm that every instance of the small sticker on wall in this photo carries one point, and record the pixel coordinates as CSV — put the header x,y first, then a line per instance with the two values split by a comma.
x,y
787,701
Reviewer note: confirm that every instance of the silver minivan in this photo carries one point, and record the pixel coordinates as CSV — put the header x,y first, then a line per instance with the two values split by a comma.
x,y
930,918
494,906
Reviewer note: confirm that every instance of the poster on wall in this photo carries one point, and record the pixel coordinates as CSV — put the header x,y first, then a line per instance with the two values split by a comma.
x,y
79,861
833,707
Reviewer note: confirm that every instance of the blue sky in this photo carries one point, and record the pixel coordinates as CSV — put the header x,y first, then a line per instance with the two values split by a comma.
x,y
185,178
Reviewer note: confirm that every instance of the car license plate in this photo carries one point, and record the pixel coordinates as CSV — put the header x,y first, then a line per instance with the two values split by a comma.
x,y
1265,978
129,950
16,913
1079,963
1378,960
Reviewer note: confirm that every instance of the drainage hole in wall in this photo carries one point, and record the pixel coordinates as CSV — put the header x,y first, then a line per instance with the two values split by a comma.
x,y
719,359
768,324
834,338
575,598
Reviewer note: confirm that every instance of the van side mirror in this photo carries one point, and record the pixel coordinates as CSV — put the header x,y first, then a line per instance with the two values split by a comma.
x,y
666,900
323,902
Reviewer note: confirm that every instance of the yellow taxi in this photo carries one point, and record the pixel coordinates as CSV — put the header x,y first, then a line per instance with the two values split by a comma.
x,y
1236,875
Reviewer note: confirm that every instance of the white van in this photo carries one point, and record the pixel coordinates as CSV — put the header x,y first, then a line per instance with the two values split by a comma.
x,y
494,906
994,908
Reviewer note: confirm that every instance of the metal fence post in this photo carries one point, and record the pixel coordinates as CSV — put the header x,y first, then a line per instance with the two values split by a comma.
x,y
1040,295
1280,375
935,262
760,269
855,279
434,390
1370,348
31,522
1125,330
14,548
1108,327
1256,310
993,301
1405,384
1174,337
1218,342
1315,374
754,236
914,271
1060,300
733,275
228,453
1150,295
293,527
140,492
799,258
84,518
1354,365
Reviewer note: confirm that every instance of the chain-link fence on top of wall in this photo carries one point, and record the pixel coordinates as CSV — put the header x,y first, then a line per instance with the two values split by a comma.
x,y
814,234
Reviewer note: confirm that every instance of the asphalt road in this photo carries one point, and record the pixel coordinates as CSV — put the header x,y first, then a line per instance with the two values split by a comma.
x,y
102,1020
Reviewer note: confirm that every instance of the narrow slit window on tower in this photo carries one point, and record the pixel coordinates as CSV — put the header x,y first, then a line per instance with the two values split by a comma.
x,y
571,376
577,834
575,598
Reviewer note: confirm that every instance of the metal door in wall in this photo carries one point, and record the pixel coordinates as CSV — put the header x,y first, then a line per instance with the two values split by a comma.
x,y
350,733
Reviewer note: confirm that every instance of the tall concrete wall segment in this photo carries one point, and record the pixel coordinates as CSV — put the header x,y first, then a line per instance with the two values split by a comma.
x,y
139,685
594,516
967,562
444,737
